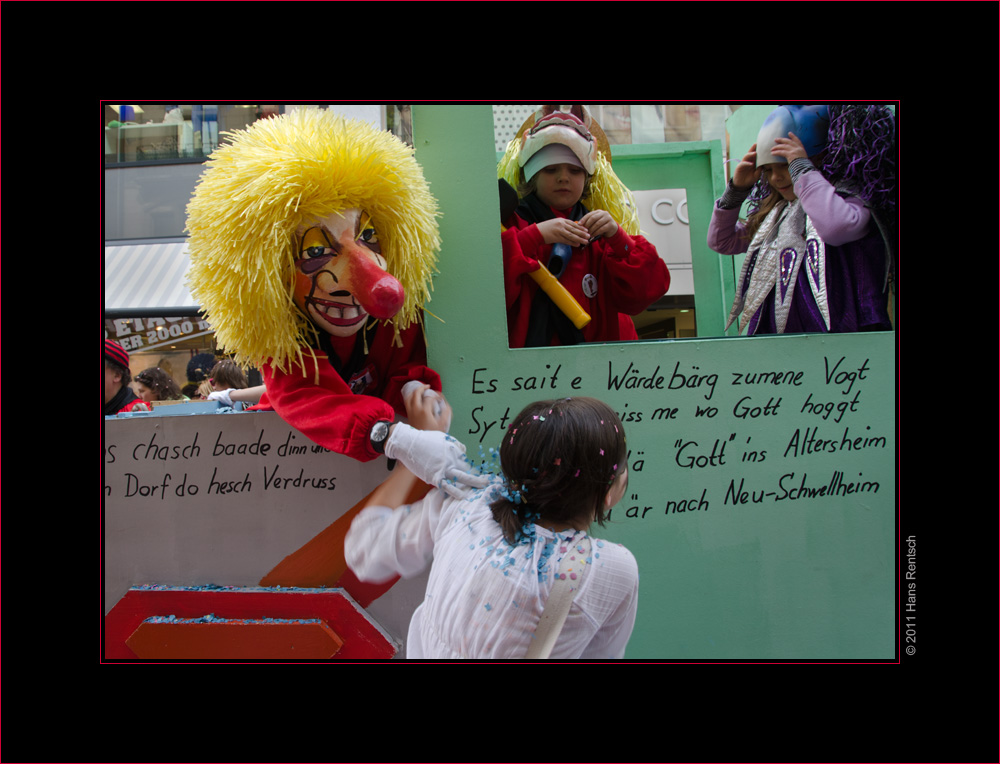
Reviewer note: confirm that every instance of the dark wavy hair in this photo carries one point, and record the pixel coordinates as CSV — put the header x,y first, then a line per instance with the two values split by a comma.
x,y
161,383
559,459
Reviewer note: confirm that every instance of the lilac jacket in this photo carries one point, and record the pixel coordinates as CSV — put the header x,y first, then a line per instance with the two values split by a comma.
x,y
855,264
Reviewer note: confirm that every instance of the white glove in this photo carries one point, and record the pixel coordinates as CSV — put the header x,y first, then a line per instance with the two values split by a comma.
x,y
413,385
222,396
462,482
434,457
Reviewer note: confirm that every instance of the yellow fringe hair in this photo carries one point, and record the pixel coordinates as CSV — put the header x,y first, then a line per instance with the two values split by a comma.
x,y
261,187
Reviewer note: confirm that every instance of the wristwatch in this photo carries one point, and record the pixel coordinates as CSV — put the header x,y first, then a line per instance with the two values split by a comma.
x,y
379,435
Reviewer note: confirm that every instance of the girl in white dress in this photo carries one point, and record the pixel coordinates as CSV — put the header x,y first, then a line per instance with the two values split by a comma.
x,y
495,550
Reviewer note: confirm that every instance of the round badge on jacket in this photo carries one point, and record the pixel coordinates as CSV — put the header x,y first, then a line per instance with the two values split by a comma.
x,y
590,285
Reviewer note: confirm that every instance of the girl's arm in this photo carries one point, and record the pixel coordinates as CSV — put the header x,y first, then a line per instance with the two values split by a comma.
x,y
384,542
517,263
425,449
838,219
394,490
247,394
636,274
389,537
621,587
726,232
612,639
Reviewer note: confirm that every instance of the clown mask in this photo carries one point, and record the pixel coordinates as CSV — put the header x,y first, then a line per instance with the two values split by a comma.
x,y
341,276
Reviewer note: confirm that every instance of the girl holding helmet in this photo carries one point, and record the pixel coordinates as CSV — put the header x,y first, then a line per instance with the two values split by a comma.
x,y
821,182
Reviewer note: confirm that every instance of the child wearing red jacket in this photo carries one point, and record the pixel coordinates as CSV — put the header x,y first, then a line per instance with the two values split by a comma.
x,y
608,272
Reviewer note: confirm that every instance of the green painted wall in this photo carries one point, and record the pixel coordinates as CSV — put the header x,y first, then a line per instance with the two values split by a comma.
x,y
697,168
761,503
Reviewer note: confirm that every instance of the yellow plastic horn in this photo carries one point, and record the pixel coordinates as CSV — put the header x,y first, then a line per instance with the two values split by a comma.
x,y
558,294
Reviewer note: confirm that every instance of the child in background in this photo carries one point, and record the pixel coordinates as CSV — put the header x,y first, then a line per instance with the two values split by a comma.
x,y
607,270
154,384
817,260
497,550
227,375
228,385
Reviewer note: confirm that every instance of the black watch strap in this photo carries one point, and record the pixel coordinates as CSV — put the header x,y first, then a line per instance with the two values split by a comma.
x,y
379,435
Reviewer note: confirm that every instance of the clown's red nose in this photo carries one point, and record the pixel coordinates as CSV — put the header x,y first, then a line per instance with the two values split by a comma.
x,y
378,292
384,298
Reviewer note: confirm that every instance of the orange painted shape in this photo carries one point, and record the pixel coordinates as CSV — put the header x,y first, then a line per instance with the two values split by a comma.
x,y
238,639
320,562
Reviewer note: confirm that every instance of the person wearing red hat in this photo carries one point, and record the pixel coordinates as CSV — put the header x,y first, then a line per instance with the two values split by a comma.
x,y
118,395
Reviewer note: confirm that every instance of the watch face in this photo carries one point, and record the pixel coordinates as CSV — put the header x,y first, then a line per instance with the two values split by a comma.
x,y
379,434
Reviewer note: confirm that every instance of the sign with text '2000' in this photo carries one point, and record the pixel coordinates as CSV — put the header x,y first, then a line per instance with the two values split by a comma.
x,y
138,334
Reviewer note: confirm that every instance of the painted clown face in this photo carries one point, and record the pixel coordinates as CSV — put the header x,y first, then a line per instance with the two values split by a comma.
x,y
340,274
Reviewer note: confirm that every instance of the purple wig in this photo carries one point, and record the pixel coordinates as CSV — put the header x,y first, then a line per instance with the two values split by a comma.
x,y
861,153
860,156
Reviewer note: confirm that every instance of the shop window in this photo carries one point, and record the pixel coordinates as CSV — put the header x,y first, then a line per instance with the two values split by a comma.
x,y
182,346
151,133
663,219
173,132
